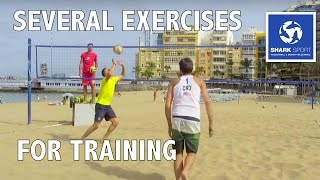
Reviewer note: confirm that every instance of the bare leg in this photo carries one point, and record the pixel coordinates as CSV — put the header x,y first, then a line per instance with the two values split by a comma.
x,y
114,124
85,92
92,128
178,166
93,92
189,161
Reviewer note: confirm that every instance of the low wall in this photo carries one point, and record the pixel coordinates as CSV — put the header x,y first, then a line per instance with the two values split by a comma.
x,y
83,114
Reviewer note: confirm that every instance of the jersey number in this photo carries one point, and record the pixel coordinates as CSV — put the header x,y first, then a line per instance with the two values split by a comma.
x,y
187,87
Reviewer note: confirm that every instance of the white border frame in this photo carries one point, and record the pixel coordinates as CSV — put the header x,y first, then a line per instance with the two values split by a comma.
x,y
314,36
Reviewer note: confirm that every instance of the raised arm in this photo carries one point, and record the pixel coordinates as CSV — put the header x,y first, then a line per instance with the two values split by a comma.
x,y
207,102
112,67
123,72
168,104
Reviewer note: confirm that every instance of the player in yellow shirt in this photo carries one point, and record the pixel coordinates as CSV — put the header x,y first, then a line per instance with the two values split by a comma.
x,y
103,107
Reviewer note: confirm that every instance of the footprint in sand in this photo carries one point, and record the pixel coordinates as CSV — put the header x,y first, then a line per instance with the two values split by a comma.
x,y
220,177
315,163
266,158
246,151
281,165
228,146
277,151
292,174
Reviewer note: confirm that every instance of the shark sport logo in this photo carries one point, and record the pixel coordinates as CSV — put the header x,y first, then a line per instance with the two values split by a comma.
x,y
290,32
291,37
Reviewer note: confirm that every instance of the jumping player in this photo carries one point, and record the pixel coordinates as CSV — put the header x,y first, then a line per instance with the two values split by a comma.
x,y
103,107
87,60
184,117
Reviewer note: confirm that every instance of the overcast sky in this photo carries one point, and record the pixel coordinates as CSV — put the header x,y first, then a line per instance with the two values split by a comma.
x,y
14,50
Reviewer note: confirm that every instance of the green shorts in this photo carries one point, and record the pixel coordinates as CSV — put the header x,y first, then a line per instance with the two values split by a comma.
x,y
191,141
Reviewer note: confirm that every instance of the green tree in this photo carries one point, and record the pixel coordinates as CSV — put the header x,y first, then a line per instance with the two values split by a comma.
x,y
167,68
151,65
246,64
149,70
271,68
199,71
229,64
137,69
261,66
217,72
147,73
164,76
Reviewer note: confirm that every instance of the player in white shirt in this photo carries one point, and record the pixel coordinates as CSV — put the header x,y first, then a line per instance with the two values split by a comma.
x,y
183,116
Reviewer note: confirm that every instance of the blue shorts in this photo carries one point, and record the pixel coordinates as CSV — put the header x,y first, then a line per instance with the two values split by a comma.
x,y
104,111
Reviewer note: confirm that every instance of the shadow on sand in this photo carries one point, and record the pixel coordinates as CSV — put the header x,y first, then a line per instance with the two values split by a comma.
x,y
312,137
61,137
123,173
65,122
12,123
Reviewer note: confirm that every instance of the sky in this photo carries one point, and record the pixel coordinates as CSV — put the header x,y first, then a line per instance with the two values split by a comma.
x,y
14,44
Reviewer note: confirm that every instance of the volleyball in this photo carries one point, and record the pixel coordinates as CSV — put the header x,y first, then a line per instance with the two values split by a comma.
x,y
93,69
117,49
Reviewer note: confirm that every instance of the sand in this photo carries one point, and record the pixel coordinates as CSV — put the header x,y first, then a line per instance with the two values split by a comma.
x,y
250,142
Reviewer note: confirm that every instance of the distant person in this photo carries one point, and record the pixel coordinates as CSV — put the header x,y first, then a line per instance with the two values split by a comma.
x,y
1,100
119,93
182,111
88,60
38,97
103,107
164,96
45,97
155,94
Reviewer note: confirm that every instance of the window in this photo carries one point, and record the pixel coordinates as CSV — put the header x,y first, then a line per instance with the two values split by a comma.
x,y
219,32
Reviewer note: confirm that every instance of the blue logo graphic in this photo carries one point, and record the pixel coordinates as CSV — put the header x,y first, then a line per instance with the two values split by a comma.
x,y
291,37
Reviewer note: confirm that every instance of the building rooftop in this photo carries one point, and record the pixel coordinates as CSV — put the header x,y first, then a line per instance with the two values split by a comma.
x,y
311,4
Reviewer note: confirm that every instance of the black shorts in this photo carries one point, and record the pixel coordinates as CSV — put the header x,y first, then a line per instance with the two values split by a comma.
x,y
104,111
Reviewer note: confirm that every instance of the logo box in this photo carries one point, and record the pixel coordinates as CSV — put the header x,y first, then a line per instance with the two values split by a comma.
x,y
291,37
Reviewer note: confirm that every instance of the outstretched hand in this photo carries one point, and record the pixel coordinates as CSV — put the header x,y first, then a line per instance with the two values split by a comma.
x,y
113,62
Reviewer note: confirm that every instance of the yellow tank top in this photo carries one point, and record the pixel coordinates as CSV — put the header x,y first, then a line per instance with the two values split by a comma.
x,y
107,90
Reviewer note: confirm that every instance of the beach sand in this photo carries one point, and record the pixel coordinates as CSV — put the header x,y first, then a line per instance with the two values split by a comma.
x,y
250,142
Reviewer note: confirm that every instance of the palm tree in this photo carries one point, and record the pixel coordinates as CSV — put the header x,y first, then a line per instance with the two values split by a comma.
x,y
217,72
149,71
167,68
137,69
199,71
164,76
271,68
229,64
261,67
246,64
151,65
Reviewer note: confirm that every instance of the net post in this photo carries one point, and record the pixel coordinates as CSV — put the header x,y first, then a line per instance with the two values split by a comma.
x,y
29,81
313,94
37,75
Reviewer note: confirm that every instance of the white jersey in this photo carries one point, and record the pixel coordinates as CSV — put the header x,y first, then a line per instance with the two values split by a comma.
x,y
186,98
